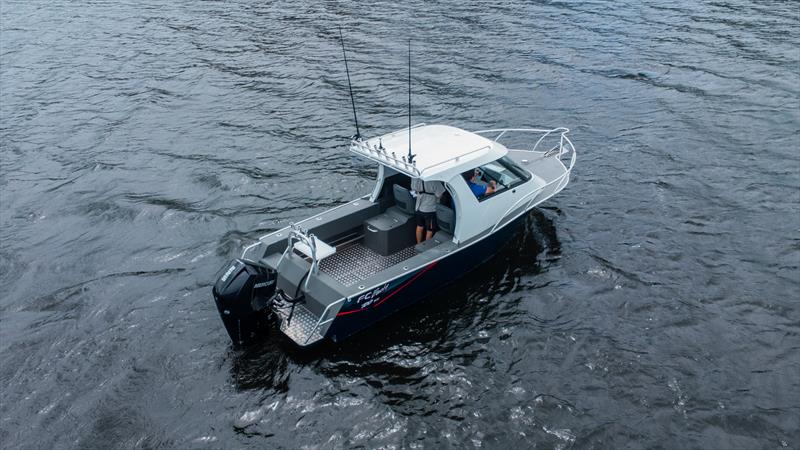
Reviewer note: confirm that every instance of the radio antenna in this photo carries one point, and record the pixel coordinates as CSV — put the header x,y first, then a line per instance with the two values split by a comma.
x,y
410,155
350,85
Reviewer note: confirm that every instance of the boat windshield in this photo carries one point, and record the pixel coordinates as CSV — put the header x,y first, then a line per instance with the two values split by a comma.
x,y
504,172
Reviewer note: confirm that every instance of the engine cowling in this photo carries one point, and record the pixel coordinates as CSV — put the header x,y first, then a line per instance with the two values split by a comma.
x,y
243,292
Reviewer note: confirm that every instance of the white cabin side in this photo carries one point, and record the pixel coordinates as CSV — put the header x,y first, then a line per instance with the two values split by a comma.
x,y
446,160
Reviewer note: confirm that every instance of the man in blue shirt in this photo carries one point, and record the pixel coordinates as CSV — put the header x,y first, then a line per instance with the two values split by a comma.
x,y
478,189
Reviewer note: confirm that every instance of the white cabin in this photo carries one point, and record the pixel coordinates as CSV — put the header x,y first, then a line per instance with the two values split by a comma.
x,y
445,153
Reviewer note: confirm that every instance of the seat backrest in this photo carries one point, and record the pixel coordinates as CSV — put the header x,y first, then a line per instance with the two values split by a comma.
x,y
403,199
446,219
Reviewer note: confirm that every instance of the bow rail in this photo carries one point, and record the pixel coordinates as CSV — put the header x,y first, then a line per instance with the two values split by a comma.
x,y
562,149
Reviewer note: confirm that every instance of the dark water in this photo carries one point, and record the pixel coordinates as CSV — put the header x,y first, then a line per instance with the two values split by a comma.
x,y
652,304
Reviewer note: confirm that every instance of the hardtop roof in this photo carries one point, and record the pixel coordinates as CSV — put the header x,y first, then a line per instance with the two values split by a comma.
x,y
441,151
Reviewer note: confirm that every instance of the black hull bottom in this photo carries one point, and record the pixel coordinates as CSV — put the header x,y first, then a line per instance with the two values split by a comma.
x,y
364,310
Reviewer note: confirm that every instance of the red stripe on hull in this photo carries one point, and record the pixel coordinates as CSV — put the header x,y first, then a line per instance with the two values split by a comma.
x,y
403,286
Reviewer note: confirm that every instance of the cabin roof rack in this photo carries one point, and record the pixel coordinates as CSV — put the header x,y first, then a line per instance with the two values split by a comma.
x,y
441,151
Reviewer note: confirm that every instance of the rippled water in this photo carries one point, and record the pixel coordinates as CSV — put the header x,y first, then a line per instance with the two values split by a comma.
x,y
651,304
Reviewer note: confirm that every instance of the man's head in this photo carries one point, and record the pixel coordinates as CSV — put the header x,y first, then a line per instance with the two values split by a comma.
x,y
472,176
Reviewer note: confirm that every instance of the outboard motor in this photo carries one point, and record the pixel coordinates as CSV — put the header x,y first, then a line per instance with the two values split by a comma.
x,y
243,294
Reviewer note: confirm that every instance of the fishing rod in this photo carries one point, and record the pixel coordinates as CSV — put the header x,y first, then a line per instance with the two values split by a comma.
x,y
350,85
410,155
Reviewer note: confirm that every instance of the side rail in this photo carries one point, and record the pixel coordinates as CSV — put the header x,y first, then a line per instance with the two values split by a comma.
x,y
561,148
280,231
537,196
556,138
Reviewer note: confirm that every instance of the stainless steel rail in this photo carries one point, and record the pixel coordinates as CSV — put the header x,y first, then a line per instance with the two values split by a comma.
x,y
381,155
281,230
296,234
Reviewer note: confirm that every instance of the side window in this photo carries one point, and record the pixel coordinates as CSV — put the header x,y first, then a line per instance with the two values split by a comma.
x,y
495,177
476,183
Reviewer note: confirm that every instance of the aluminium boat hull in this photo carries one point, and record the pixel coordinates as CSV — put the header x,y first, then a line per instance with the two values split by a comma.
x,y
373,305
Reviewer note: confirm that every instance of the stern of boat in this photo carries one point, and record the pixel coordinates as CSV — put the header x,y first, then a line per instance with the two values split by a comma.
x,y
306,300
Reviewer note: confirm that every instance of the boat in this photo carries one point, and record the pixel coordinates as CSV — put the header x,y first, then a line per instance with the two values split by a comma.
x,y
345,269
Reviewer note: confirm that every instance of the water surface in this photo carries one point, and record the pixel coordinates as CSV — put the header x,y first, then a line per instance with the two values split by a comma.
x,y
652,304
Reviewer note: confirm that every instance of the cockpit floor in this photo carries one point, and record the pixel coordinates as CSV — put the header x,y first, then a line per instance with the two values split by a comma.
x,y
355,262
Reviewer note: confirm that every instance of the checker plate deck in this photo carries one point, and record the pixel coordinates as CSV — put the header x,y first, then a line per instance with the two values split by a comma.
x,y
301,328
355,262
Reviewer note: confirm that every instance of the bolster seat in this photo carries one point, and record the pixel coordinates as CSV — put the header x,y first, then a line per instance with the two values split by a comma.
x,y
446,219
403,200
446,222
